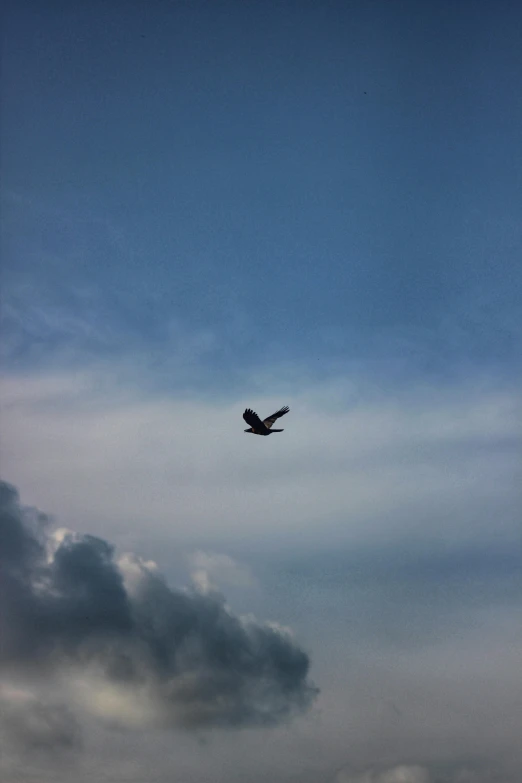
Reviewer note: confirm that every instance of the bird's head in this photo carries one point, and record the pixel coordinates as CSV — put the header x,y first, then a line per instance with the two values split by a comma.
x,y
248,430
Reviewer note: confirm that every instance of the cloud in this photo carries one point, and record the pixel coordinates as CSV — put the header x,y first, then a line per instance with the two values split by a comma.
x,y
383,528
211,569
417,773
68,605
33,724
353,464
399,774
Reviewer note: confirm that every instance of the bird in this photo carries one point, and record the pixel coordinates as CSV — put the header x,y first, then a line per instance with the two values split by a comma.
x,y
258,427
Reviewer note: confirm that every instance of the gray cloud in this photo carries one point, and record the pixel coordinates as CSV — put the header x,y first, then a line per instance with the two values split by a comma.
x,y
34,725
423,773
68,602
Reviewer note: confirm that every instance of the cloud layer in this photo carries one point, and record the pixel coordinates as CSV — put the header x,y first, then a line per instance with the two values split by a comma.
x,y
33,724
68,605
384,528
353,462
420,773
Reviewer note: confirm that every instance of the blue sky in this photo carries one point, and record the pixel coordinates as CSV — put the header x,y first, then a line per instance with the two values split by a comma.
x,y
206,206
291,183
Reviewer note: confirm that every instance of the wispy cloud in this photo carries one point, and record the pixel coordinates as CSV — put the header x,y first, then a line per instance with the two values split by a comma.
x,y
34,725
421,773
210,569
432,464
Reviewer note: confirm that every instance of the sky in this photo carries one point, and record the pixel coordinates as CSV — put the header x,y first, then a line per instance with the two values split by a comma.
x,y
213,206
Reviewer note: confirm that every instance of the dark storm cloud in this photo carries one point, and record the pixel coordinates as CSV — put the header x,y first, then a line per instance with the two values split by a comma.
x,y
53,606
65,599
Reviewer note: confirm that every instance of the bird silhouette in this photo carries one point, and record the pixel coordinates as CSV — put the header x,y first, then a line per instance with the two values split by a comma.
x,y
258,427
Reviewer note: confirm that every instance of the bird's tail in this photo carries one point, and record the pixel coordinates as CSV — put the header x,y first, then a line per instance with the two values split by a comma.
x,y
276,430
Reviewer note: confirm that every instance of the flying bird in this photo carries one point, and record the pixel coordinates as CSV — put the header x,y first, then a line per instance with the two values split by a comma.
x,y
258,427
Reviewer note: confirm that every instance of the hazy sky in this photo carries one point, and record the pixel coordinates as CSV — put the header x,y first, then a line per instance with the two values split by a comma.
x,y
213,205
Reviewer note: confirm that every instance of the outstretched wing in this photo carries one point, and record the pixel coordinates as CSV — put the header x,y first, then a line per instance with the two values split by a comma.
x,y
275,416
253,420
